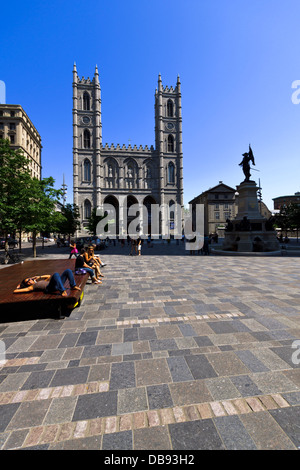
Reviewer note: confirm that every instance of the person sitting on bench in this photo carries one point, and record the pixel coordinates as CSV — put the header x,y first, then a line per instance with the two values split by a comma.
x,y
92,261
47,283
81,264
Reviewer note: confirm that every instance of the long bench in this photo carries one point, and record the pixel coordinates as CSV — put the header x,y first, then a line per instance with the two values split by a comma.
x,y
12,275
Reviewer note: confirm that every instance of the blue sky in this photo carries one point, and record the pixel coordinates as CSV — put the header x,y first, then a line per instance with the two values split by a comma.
x,y
237,60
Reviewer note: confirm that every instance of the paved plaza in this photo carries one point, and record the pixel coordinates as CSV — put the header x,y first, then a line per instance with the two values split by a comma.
x,y
171,352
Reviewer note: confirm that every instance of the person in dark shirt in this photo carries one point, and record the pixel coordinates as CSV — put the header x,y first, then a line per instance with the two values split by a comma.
x,y
81,264
47,283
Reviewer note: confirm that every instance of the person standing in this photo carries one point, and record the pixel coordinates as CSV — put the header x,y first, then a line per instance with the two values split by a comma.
x,y
74,250
139,246
133,246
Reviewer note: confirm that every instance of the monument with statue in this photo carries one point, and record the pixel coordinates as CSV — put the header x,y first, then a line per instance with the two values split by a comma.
x,y
249,231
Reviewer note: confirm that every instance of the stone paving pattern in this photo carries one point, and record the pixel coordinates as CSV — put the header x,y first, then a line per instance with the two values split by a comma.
x,y
171,352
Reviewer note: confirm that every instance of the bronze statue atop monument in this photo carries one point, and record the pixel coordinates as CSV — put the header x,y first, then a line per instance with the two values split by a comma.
x,y
245,163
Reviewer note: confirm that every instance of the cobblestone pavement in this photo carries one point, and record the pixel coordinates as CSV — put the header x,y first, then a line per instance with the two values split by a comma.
x,y
171,352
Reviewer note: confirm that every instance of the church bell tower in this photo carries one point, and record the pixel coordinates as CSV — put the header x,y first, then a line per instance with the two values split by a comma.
x,y
168,141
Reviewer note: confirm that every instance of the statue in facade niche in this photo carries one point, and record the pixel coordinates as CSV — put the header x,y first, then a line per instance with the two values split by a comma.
x,y
130,172
245,163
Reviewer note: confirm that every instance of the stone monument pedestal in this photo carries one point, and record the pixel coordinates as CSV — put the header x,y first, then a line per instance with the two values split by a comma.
x,y
249,231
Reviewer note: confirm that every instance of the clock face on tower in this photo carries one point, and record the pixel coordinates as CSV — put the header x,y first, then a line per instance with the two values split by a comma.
x,y
85,119
170,125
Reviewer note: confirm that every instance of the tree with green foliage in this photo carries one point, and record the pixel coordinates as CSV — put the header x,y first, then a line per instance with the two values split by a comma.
x,y
288,218
69,221
26,204
41,204
282,219
14,181
93,222
294,217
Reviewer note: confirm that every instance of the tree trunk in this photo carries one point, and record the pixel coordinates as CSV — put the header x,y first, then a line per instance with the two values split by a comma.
x,y
34,244
20,241
6,244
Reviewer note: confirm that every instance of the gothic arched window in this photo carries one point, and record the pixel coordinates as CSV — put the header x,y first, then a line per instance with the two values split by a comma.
x,y
86,139
87,209
87,170
170,108
86,101
171,173
171,206
170,143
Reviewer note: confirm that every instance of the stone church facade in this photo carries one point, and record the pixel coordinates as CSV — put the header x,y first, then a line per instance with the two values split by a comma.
x,y
125,175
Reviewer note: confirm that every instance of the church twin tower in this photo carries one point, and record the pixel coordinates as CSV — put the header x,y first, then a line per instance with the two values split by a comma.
x,y
121,175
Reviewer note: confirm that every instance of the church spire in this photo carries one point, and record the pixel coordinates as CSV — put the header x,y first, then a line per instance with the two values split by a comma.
x,y
178,84
74,73
97,76
159,82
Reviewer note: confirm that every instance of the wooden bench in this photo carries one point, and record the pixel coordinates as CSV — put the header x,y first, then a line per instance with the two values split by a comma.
x,y
11,276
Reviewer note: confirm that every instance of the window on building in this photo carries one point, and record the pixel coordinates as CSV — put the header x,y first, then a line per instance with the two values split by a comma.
x,y
216,196
12,126
171,173
170,111
1,125
12,139
86,101
86,139
171,206
12,114
217,215
170,143
217,206
87,209
87,170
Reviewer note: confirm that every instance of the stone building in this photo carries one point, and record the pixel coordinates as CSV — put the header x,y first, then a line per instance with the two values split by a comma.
x,y
124,175
282,201
221,203
16,126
